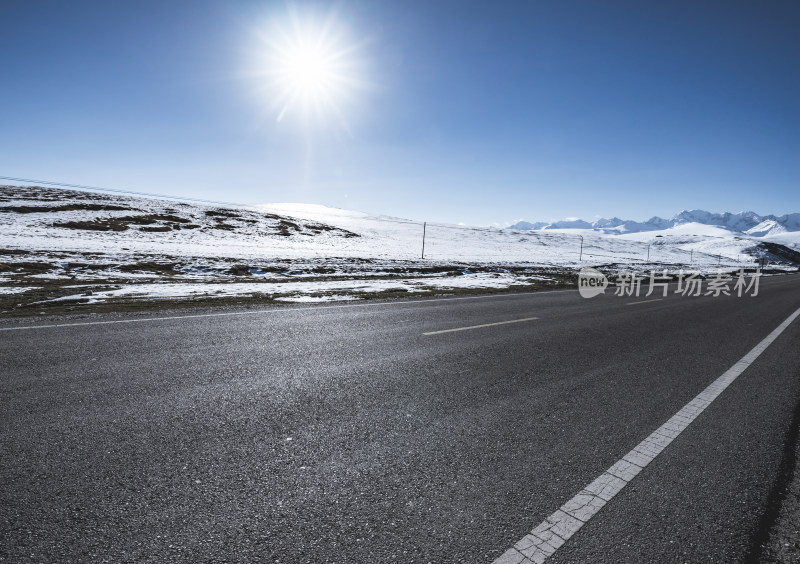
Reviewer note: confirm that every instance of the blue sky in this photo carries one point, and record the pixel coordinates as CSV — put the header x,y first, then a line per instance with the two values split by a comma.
x,y
474,112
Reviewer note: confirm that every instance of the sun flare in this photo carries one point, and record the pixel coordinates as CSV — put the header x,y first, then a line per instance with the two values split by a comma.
x,y
311,68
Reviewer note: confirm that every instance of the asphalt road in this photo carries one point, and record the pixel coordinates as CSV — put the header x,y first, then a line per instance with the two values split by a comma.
x,y
345,434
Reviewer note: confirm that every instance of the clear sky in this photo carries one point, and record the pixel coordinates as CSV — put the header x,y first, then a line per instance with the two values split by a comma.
x,y
464,111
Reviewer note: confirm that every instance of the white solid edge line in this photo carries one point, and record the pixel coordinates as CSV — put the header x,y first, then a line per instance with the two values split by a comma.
x,y
480,326
280,309
550,534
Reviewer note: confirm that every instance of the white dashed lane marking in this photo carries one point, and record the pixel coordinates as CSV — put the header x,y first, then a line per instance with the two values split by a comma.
x,y
645,301
480,326
550,534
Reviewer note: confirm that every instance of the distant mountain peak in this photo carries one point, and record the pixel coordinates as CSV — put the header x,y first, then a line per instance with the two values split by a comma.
x,y
745,222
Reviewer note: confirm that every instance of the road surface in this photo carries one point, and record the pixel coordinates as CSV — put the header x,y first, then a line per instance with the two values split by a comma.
x,y
374,432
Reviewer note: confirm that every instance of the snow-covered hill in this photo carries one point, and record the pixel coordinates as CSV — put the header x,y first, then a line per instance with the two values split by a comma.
x,y
54,244
55,220
767,228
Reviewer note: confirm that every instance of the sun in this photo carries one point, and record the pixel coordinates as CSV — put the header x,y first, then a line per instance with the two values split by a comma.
x,y
312,68
309,71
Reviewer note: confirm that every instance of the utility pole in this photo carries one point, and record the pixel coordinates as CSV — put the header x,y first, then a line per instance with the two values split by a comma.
x,y
424,228
691,256
580,258
648,251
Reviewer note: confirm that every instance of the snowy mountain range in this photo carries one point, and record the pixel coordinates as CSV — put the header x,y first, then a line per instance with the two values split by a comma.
x,y
748,223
